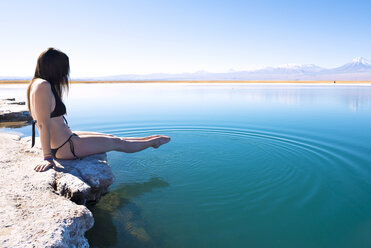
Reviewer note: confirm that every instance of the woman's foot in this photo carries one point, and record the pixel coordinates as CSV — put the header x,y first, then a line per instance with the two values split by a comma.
x,y
159,140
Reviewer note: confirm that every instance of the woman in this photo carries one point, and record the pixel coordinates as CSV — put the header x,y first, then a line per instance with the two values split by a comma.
x,y
45,104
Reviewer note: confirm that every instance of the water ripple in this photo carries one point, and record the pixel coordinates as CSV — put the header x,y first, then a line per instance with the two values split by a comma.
x,y
285,153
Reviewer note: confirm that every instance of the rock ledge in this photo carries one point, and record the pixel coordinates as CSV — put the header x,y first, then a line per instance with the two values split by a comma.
x,y
41,209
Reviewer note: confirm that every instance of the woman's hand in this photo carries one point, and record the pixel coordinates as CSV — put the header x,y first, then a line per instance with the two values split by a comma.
x,y
46,164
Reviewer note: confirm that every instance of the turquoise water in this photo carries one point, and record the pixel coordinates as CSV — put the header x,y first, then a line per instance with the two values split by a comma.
x,y
249,165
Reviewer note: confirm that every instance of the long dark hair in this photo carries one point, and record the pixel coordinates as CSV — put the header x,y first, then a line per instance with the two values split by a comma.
x,y
53,66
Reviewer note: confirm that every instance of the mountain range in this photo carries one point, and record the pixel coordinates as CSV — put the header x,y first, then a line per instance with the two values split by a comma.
x,y
359,69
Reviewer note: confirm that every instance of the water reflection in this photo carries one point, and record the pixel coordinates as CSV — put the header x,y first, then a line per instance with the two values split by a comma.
x,y
118,221
358,102
356,98
237,95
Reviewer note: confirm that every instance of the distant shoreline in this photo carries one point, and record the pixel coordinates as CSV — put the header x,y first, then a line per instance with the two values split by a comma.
x,y
196,81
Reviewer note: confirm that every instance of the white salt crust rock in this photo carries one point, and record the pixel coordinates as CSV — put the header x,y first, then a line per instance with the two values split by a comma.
x,y
39,209
12,111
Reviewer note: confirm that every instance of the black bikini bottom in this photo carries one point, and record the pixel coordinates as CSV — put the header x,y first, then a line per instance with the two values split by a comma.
x,y
54,151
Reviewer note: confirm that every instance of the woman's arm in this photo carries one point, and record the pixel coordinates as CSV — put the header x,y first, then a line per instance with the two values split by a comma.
x,y
43,101
42,107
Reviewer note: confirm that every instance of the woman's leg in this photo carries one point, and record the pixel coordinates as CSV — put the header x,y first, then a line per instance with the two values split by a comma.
x,y
83,133
92,144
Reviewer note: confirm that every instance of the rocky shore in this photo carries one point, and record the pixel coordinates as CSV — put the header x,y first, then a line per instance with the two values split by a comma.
x,y
45,209
13,113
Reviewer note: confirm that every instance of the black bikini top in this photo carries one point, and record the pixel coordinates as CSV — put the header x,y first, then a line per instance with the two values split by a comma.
x,y
59,110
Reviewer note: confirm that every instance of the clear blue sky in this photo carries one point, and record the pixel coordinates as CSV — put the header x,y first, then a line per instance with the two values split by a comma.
x,y
118,37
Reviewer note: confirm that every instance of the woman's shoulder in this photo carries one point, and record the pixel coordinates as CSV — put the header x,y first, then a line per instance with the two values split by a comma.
x,y
40,85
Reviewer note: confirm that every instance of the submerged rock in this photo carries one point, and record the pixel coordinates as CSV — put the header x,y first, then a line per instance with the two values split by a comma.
x,y
38,209
121,219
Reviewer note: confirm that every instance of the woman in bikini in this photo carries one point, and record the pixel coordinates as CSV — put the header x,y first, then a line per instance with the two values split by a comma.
x,y
45,104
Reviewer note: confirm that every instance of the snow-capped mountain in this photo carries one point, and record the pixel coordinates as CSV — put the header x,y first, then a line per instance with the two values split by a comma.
x,y
358,64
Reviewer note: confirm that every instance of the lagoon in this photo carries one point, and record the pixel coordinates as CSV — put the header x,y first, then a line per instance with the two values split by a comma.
x,y
249,165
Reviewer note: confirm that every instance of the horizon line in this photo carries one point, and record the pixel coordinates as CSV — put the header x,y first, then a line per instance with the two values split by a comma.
x,y
3,82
